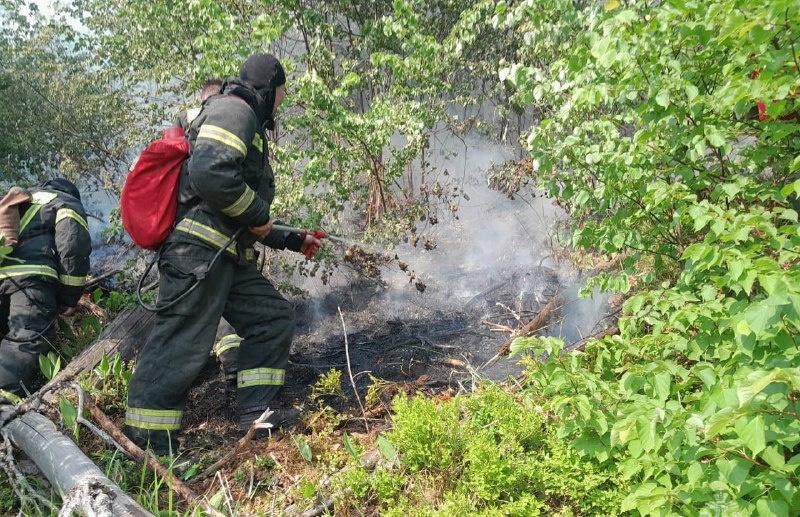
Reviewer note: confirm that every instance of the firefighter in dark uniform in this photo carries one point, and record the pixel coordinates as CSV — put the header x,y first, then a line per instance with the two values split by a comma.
x,y
227,187
45,275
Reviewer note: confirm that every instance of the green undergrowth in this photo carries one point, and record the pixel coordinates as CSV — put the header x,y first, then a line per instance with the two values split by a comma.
x,y
490,453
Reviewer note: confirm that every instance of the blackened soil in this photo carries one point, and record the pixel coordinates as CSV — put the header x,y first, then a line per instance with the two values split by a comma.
x,y
415,344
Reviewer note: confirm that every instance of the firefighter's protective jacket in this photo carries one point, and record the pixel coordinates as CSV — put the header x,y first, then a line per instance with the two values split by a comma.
x,y
227,183
54,243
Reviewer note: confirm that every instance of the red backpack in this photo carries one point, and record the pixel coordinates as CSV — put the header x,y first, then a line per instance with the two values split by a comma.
x,y
149,201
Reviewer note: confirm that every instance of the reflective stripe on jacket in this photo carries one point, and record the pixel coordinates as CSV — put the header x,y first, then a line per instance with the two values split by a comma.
x,y
54,242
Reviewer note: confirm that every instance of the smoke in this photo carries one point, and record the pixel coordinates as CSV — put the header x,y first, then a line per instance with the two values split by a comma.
x,y
492,257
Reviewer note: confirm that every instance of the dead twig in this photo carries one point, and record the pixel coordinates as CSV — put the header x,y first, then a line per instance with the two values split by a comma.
x,y
580,345
509,309
497,326
260,423
529,328
93,428
147,457
97,280
350,370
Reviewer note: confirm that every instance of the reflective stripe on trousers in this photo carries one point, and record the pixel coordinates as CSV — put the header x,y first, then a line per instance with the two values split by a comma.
x,y
226,343
154,419
261,377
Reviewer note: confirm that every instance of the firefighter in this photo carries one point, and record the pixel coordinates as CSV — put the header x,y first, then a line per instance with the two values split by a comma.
x,y
228,190
210,88
45,276
227,346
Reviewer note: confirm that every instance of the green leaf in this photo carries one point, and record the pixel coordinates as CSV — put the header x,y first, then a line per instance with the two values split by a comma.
x,y
349,446
691,91
69,413
662,99
773,457
771,506
662,385
757,382
753,435
386,449
302,445
742,328
610,5
218,499
694,473
714,137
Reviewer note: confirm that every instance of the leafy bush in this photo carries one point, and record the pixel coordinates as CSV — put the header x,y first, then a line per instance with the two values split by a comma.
x,y
653,139
487,453
427,434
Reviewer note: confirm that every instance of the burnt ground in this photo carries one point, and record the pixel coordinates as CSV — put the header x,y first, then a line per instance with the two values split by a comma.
x,y
399,336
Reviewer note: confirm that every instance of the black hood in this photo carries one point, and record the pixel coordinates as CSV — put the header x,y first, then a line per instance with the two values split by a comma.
x,y
248,94
62,185
264,74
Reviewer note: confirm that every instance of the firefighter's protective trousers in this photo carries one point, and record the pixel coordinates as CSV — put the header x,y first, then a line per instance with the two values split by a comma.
x,y
27,322
184,335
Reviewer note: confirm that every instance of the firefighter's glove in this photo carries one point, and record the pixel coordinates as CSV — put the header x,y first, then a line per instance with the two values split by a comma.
x,y
312,242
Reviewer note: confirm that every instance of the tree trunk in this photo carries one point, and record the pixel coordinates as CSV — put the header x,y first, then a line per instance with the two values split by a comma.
x,y
67,468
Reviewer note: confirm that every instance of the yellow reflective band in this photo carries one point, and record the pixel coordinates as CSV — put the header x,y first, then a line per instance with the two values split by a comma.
x,y
42,198
155,419
74,281
222,136
205,233
239,206
261,377
258,143
68,213
28,217
27,269
226,343
191,114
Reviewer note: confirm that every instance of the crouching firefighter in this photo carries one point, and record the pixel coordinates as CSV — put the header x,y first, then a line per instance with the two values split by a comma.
x,y
44,275
207,265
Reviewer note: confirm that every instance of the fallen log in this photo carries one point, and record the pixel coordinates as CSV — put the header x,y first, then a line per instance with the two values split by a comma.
x,y
125,334
80,483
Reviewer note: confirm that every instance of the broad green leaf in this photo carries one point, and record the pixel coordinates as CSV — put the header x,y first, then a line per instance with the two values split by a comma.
x,y
349,446
386,449
773,457
753,434
662,99
771,506
303,447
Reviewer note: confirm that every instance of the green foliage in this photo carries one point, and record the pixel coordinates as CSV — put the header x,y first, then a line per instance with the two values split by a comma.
x,y
108,383
115,301
488,453
49,364
59,112
426,433
650,138
328,384
69,415
303,447
379,76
